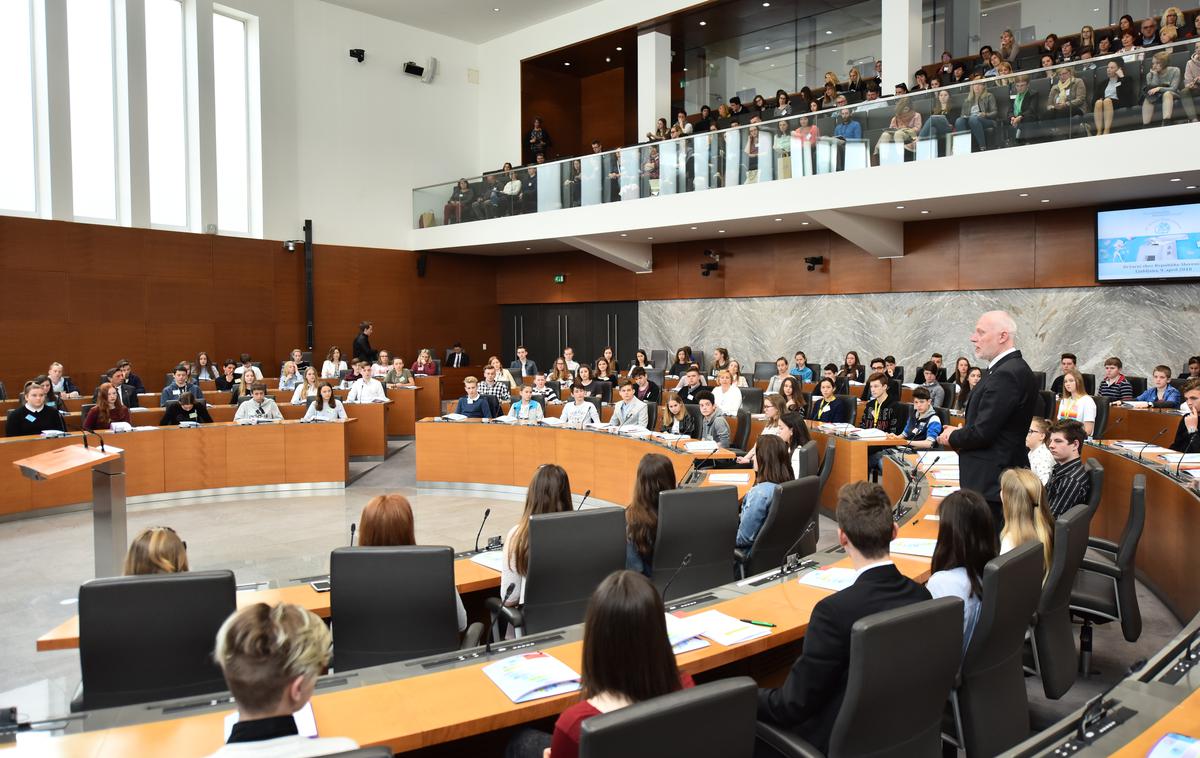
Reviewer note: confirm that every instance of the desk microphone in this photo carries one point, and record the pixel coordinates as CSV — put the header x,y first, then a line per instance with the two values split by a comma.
x,y
912,479
807,531
1095,710
353,526
86,432
586,495
486,512
1186,450
1142,449
682,565
919,476
487,647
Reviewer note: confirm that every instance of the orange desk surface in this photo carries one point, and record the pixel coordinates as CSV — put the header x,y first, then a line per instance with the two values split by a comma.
x,y
1182,719
171,459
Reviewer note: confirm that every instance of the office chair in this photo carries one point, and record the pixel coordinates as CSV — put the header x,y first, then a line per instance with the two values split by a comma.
x,y
699,521
810,460
393,604
1100,426
752,399
827,464
793,509
147,638
1052,643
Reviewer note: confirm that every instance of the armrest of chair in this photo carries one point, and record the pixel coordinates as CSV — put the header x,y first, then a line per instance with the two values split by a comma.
x,y
473,635
1097,567
510,614
740,555
1107,546
784,743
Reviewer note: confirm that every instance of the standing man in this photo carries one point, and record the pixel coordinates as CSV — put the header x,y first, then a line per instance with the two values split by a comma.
x,y
362,343
998,412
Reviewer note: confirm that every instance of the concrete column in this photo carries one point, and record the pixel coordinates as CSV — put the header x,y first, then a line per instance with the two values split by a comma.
x,y
133,154
654,81
202,118
56,194
900,42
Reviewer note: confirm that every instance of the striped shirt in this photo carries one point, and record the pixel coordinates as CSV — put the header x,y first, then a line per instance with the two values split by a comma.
x,y
1121,389
1069,486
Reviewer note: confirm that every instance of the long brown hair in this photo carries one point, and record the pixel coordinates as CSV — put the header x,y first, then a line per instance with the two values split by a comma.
x,y
103,408
156,550
654,475
797,394
771,459
667,406
966,537
625,647
386,521
549,492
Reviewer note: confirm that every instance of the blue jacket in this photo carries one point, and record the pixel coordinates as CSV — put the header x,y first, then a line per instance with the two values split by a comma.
x,y
480,408
171,393
923,428
851,130
1171,397
755,507
805,373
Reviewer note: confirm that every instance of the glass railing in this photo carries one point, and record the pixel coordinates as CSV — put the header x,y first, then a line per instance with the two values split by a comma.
x,y
1043,105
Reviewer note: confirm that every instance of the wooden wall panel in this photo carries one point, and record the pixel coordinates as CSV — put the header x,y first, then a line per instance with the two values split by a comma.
x,y
662,283
853,270
602,109
930,261
997,252
1064,248
553,97
791,274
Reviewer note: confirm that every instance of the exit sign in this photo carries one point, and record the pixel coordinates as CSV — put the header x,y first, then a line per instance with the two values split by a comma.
x,y
560,278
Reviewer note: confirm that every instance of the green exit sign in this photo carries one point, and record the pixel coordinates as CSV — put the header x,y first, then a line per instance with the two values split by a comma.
x,y
560,278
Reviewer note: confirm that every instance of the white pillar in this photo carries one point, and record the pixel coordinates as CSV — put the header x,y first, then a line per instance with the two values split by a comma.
x,y
722,78
201,116
56,193
900,42
132,115
654,81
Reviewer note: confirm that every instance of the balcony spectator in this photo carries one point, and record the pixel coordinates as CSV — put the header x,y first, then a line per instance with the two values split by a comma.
x,y
461,195
1117,94
1161,87
1008,47
538,142
904,127
979,111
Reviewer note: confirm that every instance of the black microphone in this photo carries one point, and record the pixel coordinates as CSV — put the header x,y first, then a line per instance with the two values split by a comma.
x,y
486,512
682,565
807,531
1095,710
583,500
912,479
1142,449
487,646
353,526
1187,449
86,432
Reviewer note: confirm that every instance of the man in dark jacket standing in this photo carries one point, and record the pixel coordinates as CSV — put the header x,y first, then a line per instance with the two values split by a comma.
x,y
362,343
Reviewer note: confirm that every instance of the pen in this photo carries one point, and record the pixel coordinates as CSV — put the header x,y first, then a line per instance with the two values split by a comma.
x,y
757,623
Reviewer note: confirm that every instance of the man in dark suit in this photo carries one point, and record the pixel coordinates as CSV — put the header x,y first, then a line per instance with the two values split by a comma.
x,y
523,365
998,412
456,358
809,699
362,343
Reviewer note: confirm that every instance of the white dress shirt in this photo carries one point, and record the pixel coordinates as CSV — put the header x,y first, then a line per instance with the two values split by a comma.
x,y
579,414
366,391
728,401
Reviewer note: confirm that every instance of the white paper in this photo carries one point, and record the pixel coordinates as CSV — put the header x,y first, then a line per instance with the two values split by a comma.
x,y
834,578
493,559
700,446
1174,458
947,474
552,421
688,645
870,434
681,628
943,458
306,722
668,437
454,417
728,478
531,676
933,517
726,630
913,546
943,491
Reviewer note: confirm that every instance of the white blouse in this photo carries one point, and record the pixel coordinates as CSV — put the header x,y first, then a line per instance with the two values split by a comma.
x,y
330,371
729,401
1041,462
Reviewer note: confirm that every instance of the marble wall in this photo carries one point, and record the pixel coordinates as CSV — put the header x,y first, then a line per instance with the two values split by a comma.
x,y
1143,325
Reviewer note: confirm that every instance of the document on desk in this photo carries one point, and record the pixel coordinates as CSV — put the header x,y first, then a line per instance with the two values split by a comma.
x,y
493,559
532,676
683,632
944,473
832,578
552,421
668,437
633,430
1175,458
913,546
454,417
869,434
306,722
943,491
596,427
731,477
726,630
945,457
700,446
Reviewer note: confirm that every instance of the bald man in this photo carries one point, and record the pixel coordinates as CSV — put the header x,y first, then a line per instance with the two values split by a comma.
x,y
998,412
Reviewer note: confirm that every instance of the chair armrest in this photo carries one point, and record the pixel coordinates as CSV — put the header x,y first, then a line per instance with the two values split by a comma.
x,y
784,743
1096,567
1107,546
740,555
472,637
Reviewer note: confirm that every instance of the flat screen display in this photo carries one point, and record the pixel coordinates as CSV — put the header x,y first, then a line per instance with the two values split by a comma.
x,y
1153,243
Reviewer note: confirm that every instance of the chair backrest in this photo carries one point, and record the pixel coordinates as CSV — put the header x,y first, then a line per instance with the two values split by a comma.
x,y
1089,380
827,464
1039,378
1138,383
763,370
904,412
147,638
594,401
391,604
810,460
1101,423
752,399
660,360
901,697
693,410
948,390
657,375
1131,614
494,403
943,415
794,507
898,373
1095,472
698,359
741,435
569,555
669,725
1048,402
991,695
1052,633
695,520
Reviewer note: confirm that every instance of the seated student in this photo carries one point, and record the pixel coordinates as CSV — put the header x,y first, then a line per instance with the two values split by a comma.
x,y
523,364
1160,393
387,521
545,391
587,381
792,392
228,378
494,386
33,416
307,389
1193,368
248,365
929,382
880,413
720,361
560,373
808,702
692,387
852,370
830,409
1026,515
52,398
473,405
801,370
655,474
683,360
549,492
503,375
878,366
630,411
525,407
131,378
735,373
289,376
382,364
924,425
781,372
365,389
182,383
242,388
644,389
794,432
1041,462
1068,362
603,372
713,427
259,406
773,411
841,384
334,366
568,357
186,408
727,397
271,657
1076,404
325,407
156,550
62,385
297,357
580,411
966,541
641,359
1186,438
974,375
107,409
772,468
1069,484
1114,386
677,420
424,365
397,375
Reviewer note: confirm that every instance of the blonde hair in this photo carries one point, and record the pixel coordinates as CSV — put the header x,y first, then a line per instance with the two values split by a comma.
x,y
470,380
1026,515
261,649
156,550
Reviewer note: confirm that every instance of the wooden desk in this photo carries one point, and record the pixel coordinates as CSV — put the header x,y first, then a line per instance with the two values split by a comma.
x,y
402,416
1183,719
849,463
1143,424
367,438
180,460
429,399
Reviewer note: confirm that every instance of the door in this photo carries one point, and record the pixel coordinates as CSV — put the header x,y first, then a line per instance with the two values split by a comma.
x,y
616,325
567,325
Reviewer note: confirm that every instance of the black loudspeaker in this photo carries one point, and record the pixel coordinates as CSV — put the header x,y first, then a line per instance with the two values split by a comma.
x,y
422,260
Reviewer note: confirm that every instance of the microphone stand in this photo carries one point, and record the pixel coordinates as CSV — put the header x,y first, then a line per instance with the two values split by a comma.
x,y
487,647
783,564
486,512
682,565
1153,439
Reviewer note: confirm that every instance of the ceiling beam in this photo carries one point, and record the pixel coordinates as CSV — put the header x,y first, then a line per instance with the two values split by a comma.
x,y
637,257
880,237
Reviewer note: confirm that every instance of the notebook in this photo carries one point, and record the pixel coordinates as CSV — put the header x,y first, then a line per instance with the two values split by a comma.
x,y
532,676
913,546
832,578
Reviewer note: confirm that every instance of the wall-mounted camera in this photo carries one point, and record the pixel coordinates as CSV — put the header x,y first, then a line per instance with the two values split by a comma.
x,y
426,72
290,245
708,268
358,54
814,261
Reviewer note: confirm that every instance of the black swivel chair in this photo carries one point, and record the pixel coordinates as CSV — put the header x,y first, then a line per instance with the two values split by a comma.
x,y
943,415
1048,403
752,399
699,521
742,434
1138,383
693,410
1089,380
147,638
810,460
764,370
949,389
1095,472
660,360
1052,648
794,508
494,403
989,707
898,373
900,697
1039,377
657,375
1105,589
569,555
393,604
714,720
594,401
826,464
1101,423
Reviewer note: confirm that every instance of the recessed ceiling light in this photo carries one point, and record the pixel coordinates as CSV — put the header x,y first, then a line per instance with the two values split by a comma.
x,y
1023,194
495,10
649,238
608,60
983,14
566,63
766,47
529,248
720,231
619,48
772,65
803,223
1190,186
766,5
685,68
924,211
1176,179
779,219
827,31
899,207
1045,200
834,50
1095,10
703,23
623,234
694,228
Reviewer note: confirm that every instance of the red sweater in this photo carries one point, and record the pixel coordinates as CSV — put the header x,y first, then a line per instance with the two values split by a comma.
x,y
92,422
565,742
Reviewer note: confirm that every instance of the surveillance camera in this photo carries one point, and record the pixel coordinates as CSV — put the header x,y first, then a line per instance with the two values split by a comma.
x,y
707,268
712,254
814,261
358,54
290,245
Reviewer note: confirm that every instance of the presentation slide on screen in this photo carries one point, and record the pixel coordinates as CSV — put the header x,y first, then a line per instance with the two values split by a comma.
x,y
1148,243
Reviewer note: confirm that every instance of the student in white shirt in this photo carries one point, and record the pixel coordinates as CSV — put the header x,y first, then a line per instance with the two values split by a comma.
x,y
727,397
247,364
333,366
569,357
326,407
307,388
502,374
381,365
271,658
549,492
966,541
365,389
579,411
259,406
774,386
630,411
1076,404
1040,459
526,409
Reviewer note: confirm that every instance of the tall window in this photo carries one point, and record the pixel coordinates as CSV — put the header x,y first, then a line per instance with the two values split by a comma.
x,y
166,104
93,108
231,81
17,138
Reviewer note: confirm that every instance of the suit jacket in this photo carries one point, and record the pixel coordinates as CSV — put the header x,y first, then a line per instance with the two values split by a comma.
x,y
464,359
809,700
835,413
362,348
992,437
530,368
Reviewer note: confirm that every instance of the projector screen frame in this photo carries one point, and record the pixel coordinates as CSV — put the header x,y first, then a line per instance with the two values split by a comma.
x,y
1135,205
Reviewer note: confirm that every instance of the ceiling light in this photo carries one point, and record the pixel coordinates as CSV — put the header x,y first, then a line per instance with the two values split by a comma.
x,y
694,228
827,31
685,68
1095,10
772,65
623,234
720,231
495,10
609,60
703,23
834,50
566,63
649,238
619,48
1045,200
766,5
779,219
1176,179
899,207
803,223
924,211
1023,194
766,47
983,14
1190,186
529,248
